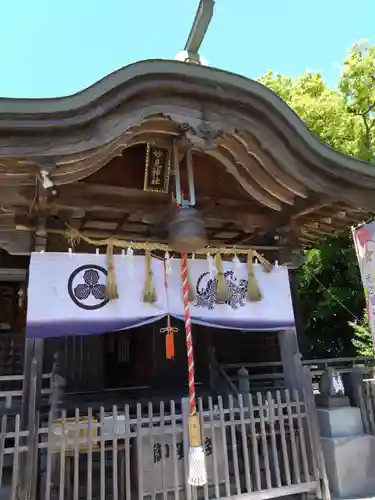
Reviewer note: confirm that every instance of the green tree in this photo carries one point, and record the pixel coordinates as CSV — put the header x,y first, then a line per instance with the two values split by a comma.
x,y
331,292
362,340
357,87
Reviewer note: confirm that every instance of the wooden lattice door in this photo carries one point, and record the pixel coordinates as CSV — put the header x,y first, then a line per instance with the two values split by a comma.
x,y
12,323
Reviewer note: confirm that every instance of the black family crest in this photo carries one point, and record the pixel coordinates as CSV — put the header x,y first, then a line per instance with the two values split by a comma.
x,y
206,291
86,287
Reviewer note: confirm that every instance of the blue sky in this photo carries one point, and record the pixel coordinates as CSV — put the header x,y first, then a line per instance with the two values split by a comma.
x,y
57,47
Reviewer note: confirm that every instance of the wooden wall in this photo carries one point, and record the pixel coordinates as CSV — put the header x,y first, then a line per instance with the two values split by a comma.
x,y
137,358
246,347
80,360
210,178
12,326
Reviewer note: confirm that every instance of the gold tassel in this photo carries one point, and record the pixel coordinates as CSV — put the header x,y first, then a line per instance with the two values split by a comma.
x,y
73,236
111,289
222,290
267,266
149,291
192,296
253,292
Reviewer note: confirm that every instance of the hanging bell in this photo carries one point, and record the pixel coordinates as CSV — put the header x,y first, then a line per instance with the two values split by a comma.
x,y
187,233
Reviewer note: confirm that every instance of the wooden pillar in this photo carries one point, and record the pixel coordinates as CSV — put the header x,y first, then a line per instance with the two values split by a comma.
x,y
31,394
291,359
293,257
33,349
299,322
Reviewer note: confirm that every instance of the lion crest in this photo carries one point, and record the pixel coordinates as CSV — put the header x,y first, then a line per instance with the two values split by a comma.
x,y
207,286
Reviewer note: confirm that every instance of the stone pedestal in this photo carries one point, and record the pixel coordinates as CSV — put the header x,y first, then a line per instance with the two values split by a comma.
x,y
340,422
349,454
324,401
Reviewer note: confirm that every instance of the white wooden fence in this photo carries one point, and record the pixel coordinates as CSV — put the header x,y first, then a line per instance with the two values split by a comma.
x,y
11,389
258,445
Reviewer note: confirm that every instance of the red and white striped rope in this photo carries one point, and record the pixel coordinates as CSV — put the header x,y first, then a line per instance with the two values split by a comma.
x,y
189,341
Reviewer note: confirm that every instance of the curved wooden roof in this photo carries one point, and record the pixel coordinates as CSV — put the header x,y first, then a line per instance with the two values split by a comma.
x,y
238,122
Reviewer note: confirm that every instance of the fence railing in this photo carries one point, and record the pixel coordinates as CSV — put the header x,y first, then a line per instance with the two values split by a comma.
x,y
365,392
258,445
11,389
270,375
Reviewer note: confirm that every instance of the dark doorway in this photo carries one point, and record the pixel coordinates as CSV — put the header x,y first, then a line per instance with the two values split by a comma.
x,y
170,374
129,360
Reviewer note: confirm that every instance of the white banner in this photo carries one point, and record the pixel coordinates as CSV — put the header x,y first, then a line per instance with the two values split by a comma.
x,y
273,312
66,296
364,243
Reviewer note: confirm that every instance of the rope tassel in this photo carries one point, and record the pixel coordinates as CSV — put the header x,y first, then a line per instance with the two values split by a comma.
x,y
197,466
149,291
253,292
169,344
266,265
168,330
111,288
222,290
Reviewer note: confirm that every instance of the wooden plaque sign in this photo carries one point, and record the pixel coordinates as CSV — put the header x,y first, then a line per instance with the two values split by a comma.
x,y
73,429
157,169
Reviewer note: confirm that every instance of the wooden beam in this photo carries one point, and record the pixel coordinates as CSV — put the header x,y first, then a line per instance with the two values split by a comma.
x,y
271,165
128,236
284,221
118,201
256,170
308,210
13,274
90,200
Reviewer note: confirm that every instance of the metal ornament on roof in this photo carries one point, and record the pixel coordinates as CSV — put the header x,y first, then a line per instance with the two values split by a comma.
x,y
187,233
187,57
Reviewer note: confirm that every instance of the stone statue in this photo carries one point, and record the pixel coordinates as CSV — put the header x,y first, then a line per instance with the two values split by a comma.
x,y
338,385
58,384
332,392
331,383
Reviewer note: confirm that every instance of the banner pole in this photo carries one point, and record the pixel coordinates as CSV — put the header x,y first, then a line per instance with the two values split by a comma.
x,y
197,467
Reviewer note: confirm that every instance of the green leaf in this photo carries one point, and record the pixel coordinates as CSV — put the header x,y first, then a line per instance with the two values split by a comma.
x,y
330,288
